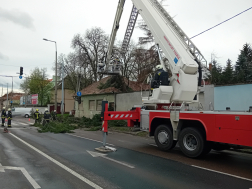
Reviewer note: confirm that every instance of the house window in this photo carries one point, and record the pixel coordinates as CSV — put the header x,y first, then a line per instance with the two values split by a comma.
x,y
111,106
99,105
91,105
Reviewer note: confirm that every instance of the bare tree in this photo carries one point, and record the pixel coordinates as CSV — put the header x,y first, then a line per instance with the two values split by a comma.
x,y
90,50
76,77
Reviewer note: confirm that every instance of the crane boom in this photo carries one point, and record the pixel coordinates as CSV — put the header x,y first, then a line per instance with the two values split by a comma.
x,y
183,56
107,67
114,29
182,63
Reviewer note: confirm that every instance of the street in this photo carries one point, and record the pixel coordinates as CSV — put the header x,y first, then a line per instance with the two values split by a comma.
x,y
45,160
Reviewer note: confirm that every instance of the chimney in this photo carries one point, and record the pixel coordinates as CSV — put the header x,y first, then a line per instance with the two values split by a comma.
x,y
210,66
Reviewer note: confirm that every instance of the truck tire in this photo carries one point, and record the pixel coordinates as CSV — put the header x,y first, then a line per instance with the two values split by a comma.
x,y
164,138
192,143
26,116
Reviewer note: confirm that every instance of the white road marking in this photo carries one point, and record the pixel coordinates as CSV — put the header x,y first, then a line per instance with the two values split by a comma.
x,y
23,123
16,128
19,123
90,139
222,173
1,169
111,148
90,183
26,174
96,154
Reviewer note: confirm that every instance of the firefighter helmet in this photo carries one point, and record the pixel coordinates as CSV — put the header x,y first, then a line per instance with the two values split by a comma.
x,y
158,67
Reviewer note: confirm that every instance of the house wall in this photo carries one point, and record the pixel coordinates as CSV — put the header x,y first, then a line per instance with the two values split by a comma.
x,y
125,101
83,109
206,96
68,98
237,97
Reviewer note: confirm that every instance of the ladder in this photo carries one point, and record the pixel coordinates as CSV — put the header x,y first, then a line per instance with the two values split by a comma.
x,y
180,33
129,30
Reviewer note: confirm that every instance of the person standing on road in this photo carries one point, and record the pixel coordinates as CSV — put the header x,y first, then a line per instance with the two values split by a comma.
x,y
9,117
54,115
36,115
47,115
3,116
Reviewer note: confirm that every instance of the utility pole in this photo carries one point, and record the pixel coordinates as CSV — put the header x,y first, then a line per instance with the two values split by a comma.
x,y
2,96
7,97
62,96
12,91
56,87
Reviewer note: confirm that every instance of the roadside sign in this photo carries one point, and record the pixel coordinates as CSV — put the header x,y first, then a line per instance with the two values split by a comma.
x,y
79,93
23,102
20,77
11,102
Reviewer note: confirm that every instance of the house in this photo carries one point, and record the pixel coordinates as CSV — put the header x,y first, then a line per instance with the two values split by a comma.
x,y
68,97
94,94
12,97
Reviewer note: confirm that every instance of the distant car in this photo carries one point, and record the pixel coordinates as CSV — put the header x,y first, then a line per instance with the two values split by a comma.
x,y
26,112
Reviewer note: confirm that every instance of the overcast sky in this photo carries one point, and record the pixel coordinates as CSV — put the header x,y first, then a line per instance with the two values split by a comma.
x,y
23,25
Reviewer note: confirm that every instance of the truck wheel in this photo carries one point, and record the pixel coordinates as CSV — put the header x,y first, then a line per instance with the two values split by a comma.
x,y
164,138
26,116
192,143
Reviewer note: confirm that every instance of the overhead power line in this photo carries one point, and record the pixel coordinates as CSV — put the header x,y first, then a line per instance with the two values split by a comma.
x,y
221,23
25,65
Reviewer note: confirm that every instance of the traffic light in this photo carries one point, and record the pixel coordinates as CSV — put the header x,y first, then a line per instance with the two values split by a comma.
x,y
79,99
21,70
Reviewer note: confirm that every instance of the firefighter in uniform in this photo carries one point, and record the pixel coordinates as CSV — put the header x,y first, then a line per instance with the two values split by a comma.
x,y
54,115
9,117
47,115
3,116
36,115
158,73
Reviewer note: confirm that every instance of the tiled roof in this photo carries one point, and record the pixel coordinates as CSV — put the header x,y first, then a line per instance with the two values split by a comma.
x,y
93,88
14,96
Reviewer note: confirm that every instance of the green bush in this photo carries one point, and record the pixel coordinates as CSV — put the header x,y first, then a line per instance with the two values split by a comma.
x,y
94,122
56,127
117,123
67,123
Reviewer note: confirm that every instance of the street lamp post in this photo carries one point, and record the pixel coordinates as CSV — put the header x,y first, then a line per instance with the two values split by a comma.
x,y
62,96
55,101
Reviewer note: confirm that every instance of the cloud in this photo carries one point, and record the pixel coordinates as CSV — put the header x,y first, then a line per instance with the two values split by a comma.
x,y
3,57
17,17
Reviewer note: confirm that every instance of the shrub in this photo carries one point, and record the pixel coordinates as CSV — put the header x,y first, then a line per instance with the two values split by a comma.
x,y
56,127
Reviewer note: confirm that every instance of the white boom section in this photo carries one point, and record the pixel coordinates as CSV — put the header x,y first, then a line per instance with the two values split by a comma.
x,y
107,67
114,29
181,62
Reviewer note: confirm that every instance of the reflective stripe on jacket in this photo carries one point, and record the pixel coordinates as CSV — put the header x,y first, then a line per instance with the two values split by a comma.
x,y
9,115
36,114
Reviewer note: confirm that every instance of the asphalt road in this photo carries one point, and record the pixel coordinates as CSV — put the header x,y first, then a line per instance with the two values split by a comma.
x,y
45,160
